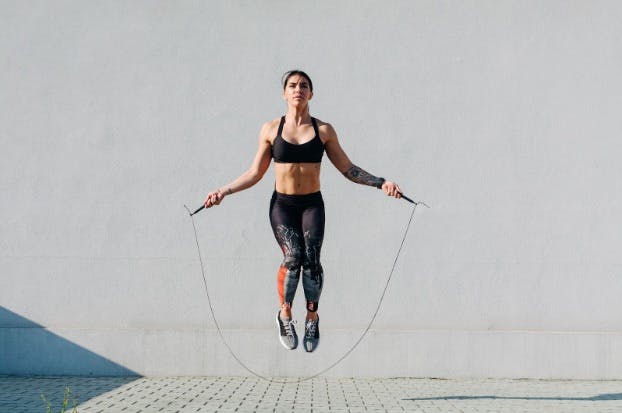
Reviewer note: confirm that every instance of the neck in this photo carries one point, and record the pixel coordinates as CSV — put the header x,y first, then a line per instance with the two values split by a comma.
x,y
298,115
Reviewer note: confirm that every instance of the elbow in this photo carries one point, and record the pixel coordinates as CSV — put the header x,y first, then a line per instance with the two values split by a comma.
x,y
346,170
347,167
253,176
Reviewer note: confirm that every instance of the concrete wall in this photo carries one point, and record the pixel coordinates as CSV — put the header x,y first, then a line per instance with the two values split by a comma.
x,y
503,115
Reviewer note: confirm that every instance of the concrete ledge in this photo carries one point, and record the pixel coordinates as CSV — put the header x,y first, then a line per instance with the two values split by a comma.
x,y
450,354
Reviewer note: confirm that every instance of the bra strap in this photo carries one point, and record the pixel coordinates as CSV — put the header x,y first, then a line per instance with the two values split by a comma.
x,y
317,131
281,126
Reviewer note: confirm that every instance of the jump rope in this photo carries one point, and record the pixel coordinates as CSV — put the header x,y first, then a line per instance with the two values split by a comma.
x,y
347,353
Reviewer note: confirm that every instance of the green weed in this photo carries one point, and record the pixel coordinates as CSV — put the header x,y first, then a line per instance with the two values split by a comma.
x,y
65,405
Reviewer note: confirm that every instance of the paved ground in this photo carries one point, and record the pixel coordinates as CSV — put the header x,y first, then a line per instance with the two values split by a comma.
x,y
243,394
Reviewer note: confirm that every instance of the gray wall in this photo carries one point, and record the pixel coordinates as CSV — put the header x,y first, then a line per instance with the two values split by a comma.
x,y
503,115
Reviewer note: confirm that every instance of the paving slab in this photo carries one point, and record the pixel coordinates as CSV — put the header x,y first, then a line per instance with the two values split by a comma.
x,y
250,394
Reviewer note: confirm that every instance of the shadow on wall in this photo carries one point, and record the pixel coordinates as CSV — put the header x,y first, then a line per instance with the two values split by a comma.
x,y
27,348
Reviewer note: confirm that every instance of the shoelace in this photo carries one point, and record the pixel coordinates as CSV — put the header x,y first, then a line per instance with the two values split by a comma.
x,y
311,327
287,327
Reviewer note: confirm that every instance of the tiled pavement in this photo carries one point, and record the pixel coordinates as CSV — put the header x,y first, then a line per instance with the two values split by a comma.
x,y
248,394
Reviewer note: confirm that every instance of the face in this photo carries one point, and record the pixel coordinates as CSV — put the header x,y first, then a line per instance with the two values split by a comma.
x,y
297,90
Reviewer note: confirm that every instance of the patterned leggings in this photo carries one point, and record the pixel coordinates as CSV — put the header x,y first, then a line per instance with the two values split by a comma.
x,y
298,225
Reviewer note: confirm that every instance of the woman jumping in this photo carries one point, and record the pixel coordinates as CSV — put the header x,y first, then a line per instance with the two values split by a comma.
x,y
297,143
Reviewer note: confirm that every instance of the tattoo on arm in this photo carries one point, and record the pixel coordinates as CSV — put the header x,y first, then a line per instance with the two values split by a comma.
x,y
358,175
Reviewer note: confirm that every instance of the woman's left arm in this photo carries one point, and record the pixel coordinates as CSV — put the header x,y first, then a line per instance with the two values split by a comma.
x,y
338,157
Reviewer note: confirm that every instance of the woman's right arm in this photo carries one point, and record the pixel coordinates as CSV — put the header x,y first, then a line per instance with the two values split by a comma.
x,y
249,178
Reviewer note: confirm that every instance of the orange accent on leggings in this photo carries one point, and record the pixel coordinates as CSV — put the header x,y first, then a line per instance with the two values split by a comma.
x,y
280,284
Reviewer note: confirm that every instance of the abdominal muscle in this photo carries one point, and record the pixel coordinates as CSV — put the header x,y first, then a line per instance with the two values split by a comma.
x,y
297,178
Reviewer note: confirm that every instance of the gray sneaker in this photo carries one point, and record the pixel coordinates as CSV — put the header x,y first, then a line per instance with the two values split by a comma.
x,y
287,332
312,335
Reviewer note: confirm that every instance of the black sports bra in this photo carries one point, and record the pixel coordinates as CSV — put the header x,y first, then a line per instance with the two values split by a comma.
x,y
286,152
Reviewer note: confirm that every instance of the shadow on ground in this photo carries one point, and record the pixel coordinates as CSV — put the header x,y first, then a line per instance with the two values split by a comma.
x,y
24,394
600,397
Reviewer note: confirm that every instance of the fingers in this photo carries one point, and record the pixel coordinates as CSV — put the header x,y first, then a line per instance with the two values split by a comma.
x,y
209,203
213,198
398,193
392,189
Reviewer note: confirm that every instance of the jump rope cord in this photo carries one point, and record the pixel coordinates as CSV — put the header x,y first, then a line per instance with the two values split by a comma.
x,y
346,354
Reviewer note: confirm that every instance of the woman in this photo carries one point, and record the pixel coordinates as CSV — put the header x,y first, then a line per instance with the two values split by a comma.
x,y
297,142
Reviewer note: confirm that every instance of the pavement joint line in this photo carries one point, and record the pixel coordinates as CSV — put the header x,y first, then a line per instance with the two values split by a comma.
x,y
224,394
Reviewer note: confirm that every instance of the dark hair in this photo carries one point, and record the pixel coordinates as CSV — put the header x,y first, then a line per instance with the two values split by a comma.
x,y
295,72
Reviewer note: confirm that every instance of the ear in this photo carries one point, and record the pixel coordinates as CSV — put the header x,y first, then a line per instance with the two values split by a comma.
x,y
311,96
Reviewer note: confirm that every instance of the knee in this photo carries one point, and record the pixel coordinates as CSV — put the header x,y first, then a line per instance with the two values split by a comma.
x,y
292,260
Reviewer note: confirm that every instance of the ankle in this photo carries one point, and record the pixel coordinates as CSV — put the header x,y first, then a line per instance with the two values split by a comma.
x,y
312,316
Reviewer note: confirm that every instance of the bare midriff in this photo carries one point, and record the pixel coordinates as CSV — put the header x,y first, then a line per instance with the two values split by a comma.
x,y
297,178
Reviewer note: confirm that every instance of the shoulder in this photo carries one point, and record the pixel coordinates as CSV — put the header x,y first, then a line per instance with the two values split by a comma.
x,y
327,132
269,129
